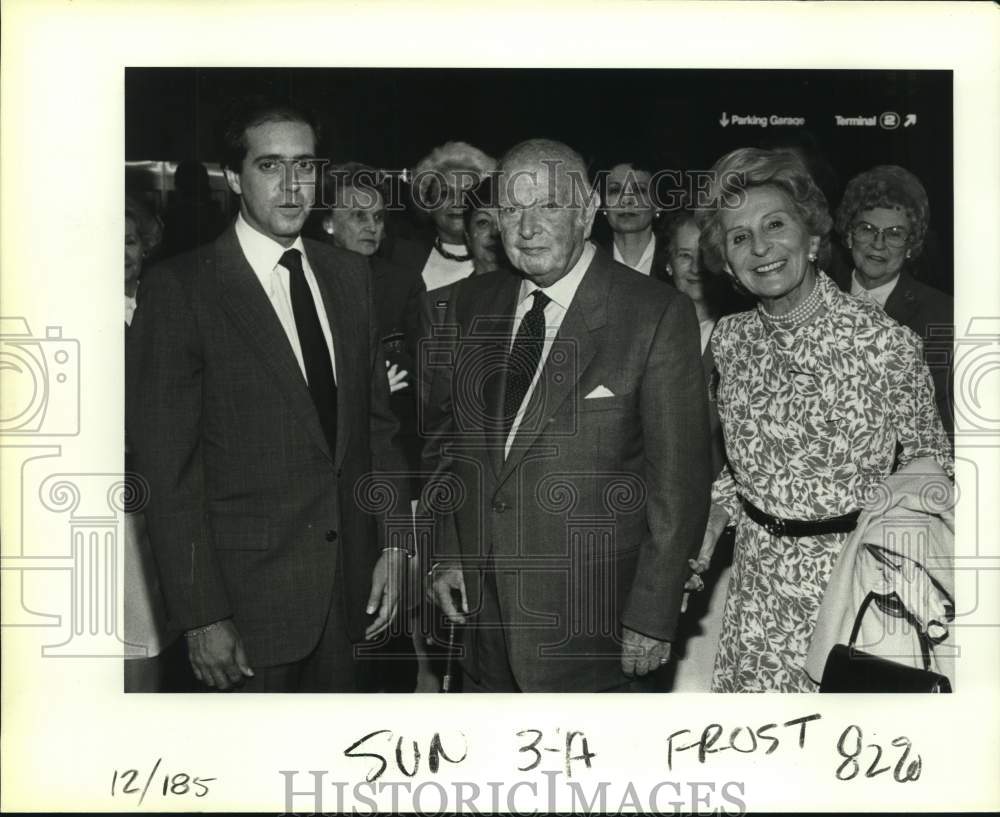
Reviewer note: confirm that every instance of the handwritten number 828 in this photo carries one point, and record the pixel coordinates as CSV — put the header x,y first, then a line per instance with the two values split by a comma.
x,y
851,745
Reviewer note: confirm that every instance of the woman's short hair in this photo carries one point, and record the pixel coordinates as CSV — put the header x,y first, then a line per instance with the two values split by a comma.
x,y
146,222
718,288
450,156
894,188
676,220
746,168
357,175
638,161
480,197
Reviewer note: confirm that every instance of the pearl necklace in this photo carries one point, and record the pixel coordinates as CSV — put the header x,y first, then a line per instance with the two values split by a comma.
x,y
449,255
800,314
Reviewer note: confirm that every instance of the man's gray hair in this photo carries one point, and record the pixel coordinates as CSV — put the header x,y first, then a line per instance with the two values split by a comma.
x,y
558,157
536,151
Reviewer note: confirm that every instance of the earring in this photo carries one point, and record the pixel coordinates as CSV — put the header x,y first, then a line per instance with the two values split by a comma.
x,y
908,253
670,270
812,257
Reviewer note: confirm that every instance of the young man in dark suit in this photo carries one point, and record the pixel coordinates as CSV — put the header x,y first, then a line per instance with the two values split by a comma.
x,y
257,406
573,443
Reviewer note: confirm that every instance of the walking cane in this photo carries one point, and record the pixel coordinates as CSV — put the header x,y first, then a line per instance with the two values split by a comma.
x,y
449,662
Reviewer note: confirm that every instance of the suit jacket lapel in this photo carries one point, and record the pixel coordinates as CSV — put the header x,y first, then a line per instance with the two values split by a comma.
x,y
495,314
343,328
247,304
573,349
381,293
901,305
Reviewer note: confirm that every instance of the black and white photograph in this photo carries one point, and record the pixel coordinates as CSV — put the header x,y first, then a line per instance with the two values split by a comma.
x,y
636,350
560,534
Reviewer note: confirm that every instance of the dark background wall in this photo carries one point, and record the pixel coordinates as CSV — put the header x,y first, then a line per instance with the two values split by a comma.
x,y
392,117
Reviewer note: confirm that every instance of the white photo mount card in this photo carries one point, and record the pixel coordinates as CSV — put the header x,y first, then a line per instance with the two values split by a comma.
x,y
672,87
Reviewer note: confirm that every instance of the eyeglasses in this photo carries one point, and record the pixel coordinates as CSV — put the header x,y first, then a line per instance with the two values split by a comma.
x,y
865,233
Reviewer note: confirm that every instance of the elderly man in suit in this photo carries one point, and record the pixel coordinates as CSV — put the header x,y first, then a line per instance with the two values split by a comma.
x,y
569,424
258,410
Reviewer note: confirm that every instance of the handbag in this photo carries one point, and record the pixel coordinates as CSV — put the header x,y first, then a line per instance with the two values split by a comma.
x,y
849,669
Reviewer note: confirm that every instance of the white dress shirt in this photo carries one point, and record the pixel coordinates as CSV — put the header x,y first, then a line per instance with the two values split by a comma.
x,y
263,255
561,295
705,328
645,263
130,302
879,294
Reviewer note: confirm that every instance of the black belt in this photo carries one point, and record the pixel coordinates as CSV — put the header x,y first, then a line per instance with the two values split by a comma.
x,y
800,527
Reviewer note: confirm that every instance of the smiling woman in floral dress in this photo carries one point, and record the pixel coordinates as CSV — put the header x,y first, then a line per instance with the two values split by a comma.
x,y
817,392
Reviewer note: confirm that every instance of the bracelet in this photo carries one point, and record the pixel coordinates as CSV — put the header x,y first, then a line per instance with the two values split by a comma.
x,y
409,554
197,631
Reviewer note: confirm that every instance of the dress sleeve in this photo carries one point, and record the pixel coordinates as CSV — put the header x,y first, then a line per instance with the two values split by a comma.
x,y
724,492
724,495
920,432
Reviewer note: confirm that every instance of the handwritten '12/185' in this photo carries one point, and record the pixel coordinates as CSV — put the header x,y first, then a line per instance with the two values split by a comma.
x,y
178,784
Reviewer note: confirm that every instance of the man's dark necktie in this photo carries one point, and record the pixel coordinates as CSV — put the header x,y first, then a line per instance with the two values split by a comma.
x,y
524,356
315,353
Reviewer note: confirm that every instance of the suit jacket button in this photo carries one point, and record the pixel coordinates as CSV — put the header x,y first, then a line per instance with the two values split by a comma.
x,y
499,506
331,536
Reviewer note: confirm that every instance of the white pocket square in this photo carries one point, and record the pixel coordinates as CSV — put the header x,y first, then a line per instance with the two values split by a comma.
x,y
600,391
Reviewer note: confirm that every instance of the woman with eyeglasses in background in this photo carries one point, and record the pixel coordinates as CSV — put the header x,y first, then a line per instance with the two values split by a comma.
x,y
882,220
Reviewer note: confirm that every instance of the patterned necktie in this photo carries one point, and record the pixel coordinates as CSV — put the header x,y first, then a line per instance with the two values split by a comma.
x,y
524,356
315,353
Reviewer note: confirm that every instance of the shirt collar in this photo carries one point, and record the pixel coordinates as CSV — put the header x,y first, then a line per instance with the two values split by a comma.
x,y
130,304
645,260
263,253
879,294
563,290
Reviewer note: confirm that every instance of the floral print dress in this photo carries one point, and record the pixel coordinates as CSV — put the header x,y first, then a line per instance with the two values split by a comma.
x,y
812,418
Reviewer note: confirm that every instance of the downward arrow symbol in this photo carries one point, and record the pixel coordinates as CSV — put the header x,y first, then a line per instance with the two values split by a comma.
x,y
724,120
